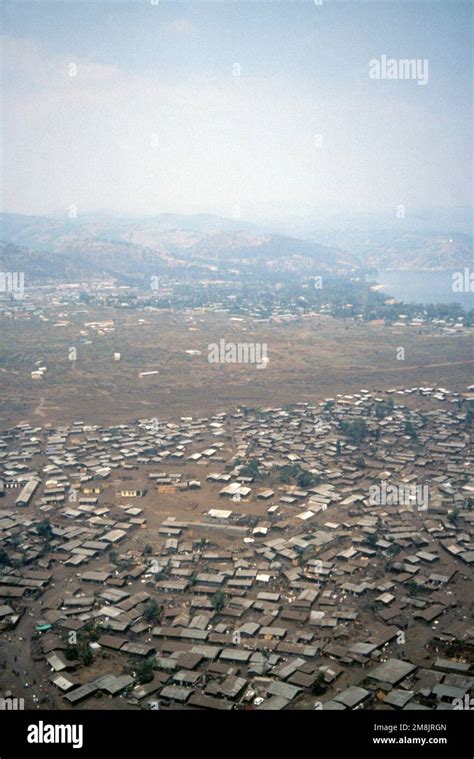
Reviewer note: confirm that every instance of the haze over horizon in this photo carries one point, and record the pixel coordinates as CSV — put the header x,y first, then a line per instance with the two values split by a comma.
x,y
246,110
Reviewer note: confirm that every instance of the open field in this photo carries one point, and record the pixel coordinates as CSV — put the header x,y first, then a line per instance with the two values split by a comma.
x,y
310,359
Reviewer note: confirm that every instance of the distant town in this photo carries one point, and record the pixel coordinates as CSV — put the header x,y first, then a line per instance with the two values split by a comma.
x,y
280,301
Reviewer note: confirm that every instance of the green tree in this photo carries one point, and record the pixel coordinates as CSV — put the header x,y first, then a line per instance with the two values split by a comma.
x,y
45,530
193,578
4,558
251,469
379,411
469,416
144,670
453,516
91,631
305,480
294,472
411,586
85,653
300,553
409,429
152,611
121,562
319,685
218,600
356,431
72,652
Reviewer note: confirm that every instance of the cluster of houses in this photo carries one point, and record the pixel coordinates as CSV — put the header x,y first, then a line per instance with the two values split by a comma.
x,y
241,560
239,299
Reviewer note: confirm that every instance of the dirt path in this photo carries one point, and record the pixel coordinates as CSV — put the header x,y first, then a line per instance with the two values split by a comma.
x,y
38,411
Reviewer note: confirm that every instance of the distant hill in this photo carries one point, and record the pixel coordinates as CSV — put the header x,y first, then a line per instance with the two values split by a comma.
x,y
426,239
192,246
37,231
405,250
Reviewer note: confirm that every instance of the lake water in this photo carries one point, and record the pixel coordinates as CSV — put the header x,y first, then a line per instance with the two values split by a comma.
x,y
423,287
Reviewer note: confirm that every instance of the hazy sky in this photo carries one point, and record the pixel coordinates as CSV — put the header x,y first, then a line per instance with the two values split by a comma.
x,y
155,118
